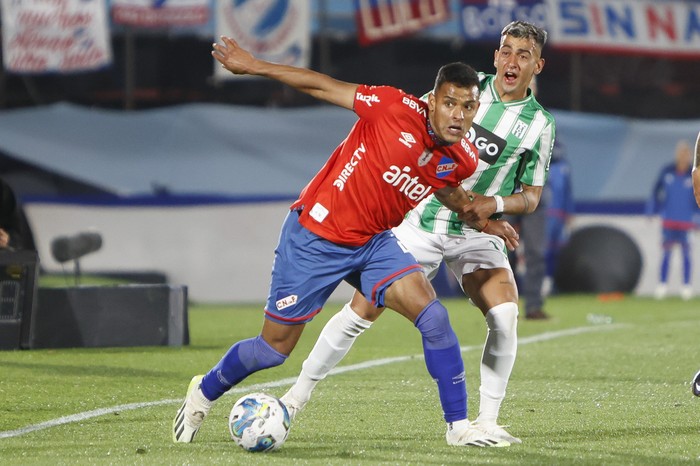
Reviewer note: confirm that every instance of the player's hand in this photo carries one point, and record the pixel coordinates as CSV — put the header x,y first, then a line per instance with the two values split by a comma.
x,y
480,208
233,57
505,230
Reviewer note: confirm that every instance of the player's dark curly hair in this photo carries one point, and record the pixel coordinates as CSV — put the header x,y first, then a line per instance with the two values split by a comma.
x,y
523,29
458,73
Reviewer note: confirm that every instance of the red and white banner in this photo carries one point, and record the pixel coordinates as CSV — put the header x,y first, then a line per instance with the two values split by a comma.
x,y
278,31
43,36
379,20
627,26
160,13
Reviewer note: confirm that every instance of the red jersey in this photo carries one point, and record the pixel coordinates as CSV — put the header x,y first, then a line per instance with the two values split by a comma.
x,y
384,168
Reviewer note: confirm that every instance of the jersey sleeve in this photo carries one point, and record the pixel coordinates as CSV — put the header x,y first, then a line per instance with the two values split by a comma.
x,y
372,101
537,159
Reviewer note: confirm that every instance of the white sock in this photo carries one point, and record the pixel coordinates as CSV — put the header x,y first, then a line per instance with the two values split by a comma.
x,y
332,345
497,359
458,426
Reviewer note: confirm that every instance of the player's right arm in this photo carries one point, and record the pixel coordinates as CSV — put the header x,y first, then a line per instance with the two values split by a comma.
x,y
318,85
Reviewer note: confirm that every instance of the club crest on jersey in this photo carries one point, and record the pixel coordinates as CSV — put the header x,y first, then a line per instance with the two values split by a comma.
x,y
286,301
519,129
445,167
425,158
368,99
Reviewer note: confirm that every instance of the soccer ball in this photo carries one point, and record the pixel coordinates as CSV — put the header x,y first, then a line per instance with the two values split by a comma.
x,y
259,422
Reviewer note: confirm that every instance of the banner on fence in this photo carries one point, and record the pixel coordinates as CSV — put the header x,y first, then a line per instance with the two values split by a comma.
x,y
60,36
278,32
379,20
160,13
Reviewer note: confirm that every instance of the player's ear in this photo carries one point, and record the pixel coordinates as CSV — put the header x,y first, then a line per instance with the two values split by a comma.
x,y
431,100
539,65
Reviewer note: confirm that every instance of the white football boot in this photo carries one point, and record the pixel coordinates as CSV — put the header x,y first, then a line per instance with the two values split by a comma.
x,y
192,413
472,436
497,431
293,405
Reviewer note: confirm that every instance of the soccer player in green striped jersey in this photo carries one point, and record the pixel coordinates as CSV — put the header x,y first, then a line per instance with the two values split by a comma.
x,y
515,137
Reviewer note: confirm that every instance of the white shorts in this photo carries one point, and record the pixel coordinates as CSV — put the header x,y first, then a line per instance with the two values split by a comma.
x,y
462,254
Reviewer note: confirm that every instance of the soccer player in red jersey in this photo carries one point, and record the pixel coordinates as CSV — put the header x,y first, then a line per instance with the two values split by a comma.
x,y
398,152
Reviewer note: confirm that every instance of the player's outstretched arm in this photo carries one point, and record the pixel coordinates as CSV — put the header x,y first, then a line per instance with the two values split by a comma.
x,y
318,85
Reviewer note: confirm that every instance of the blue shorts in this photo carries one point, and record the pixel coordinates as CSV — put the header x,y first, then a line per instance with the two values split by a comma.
x,y
308,268
671,237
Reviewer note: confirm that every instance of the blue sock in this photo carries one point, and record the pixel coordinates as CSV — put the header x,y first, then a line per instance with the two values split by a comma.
x,y
686,266
664,265
444,360
241,360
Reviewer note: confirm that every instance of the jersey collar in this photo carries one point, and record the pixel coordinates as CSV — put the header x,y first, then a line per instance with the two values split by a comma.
x,y
437,141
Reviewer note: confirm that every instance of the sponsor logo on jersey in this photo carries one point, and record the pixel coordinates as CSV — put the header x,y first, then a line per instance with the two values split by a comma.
x,y
401,178
445,167
407,139
489,145
468,148
368,99
349,168
415,106
318,212
286,301
519,129
425,158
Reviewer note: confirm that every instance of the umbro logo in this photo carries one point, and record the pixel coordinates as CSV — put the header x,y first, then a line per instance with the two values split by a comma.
x,y
407,139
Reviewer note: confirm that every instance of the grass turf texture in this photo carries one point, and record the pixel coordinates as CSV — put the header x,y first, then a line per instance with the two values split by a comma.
x,y
617,394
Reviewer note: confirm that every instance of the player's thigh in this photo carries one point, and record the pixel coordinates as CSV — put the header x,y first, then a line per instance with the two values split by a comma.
x,y
424,246
474,251
480,263
490,287
380,263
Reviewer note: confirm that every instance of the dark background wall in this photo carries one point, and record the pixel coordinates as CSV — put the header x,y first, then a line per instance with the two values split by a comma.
x,y
170,70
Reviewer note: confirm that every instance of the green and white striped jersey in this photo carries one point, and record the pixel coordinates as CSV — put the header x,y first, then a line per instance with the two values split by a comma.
x,y
515,141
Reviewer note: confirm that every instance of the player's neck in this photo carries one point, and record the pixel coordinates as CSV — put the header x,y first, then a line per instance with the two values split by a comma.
x,y
437,140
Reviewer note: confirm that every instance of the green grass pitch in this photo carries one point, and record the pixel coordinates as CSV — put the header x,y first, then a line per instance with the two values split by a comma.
x,y
584,391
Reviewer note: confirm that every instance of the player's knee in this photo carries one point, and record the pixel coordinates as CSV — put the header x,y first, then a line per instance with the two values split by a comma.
x,y
434,324
257,354
503,318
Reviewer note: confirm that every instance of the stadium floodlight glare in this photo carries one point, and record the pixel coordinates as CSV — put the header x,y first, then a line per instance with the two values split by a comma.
x,y
66,248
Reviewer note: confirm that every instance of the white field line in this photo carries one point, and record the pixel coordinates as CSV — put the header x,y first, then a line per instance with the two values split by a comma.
x,y
288,381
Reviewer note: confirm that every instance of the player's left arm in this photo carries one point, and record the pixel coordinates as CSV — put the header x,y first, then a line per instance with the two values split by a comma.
x,y
524,201
696,171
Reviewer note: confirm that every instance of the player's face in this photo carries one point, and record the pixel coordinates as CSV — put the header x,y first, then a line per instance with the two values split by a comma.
x,y
452,110
516,62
